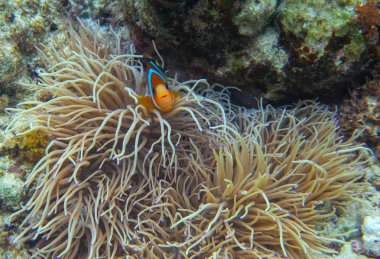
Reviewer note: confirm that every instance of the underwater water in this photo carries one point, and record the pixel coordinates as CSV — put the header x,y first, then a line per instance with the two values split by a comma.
x,y
189,129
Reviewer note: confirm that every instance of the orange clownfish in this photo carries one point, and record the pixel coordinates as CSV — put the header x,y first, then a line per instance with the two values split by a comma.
x,y
160,96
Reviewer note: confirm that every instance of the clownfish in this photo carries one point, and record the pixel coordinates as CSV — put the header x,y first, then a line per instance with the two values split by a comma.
x,y
160,96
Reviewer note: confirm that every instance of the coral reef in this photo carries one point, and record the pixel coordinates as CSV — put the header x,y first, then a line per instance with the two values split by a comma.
x,y
10,192
119,179
25,24
10,68
314,23
348,252
204,179
26,148
7,251
371,234
369,18
99,10
326,43
362,112
283,50
189,24
253,16
350,223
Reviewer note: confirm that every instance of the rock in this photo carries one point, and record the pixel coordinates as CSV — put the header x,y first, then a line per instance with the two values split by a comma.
x,y
10,191
254,16
282,50
371,234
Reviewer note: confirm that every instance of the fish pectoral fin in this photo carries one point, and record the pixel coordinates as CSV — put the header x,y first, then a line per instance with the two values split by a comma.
x,y
146,101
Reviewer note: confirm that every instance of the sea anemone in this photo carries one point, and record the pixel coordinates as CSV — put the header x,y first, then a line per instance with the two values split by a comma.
x,y
205,179
267,190
105,151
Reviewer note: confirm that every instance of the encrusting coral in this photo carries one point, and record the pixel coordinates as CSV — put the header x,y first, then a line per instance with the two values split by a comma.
x,y
29,147
205,179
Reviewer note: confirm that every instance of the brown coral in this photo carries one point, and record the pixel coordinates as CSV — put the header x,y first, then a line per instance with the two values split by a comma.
x,y
369,18
362,112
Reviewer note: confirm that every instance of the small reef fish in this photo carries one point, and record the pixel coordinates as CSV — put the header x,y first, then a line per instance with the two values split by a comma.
x,y
160,96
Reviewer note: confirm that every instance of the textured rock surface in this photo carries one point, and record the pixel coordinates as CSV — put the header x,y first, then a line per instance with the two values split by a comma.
x,y
253,16
362,112
23,25
283,50
371,234
7,251
30,23
11,187
326,44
